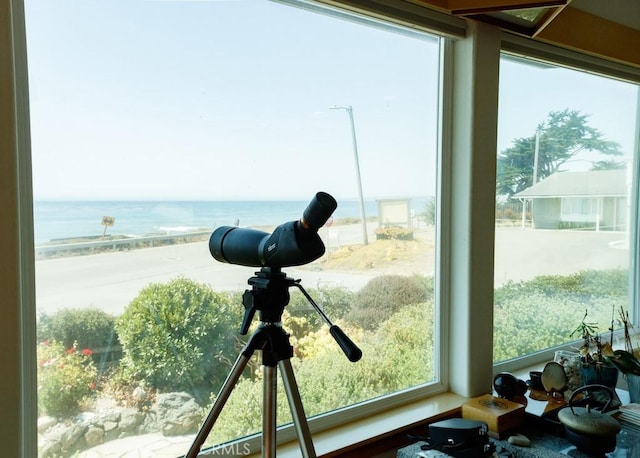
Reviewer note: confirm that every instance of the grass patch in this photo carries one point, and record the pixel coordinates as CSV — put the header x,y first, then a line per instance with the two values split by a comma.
x,y
376,255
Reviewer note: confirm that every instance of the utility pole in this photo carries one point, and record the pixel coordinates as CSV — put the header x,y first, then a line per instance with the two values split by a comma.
x,y
363,217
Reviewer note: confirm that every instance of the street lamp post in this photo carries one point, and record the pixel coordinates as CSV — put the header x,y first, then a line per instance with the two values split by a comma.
x,y
349,111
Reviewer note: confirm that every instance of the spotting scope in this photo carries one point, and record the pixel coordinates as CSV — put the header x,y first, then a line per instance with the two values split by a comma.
x,y
291,244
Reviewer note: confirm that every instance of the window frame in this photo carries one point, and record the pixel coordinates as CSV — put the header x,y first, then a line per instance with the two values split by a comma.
x,y
18,431
19,399
518,48
348,414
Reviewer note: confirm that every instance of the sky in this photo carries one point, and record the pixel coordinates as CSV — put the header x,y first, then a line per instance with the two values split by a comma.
x,y
134,99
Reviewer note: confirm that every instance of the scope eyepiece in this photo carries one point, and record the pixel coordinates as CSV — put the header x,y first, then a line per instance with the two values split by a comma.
x,y
318,211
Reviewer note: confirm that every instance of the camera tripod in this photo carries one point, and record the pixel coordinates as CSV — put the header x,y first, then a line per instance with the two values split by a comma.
x,y
269,296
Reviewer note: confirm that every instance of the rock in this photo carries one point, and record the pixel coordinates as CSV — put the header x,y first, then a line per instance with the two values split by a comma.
x,y
109,426
110,415
150,424
139,394
94,436
173,414
49,449
177,414
111,431
45,423
70,437
85,417
129,420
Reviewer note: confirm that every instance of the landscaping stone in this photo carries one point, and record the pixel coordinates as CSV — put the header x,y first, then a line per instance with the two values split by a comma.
x,y
178,413
49,448
173,414
94,436
69,438
45,423
129,420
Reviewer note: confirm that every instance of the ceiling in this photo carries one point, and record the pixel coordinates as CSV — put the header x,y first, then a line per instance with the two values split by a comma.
x,y
624,12
609,29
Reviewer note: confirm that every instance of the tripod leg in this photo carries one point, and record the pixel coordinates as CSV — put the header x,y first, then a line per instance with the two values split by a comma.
x,y
297,410
269,422
218,405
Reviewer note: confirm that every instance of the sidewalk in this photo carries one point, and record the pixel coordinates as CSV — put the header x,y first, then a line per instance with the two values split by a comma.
x,y
153,445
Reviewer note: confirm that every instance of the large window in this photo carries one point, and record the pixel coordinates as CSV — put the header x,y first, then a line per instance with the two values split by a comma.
x,y
154,123
564,219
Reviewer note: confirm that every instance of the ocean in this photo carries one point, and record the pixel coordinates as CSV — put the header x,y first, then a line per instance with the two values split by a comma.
x,y
69,219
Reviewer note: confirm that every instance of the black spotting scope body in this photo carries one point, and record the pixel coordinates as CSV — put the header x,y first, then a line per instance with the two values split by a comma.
x,y
291,244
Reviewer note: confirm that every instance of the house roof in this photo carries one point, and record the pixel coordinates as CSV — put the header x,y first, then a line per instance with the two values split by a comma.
x,y
593,183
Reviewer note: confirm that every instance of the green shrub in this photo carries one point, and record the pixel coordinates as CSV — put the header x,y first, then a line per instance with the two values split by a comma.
x,y
179,335
394,233
398,355
334,301
384,295
544,311
89,328
579,286
576,225
66,378
430,211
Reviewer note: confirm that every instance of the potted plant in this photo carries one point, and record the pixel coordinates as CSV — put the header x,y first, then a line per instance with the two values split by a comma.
x,y
626,361
594,356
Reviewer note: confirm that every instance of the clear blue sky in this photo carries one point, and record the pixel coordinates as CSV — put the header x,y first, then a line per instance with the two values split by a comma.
x,y
229,99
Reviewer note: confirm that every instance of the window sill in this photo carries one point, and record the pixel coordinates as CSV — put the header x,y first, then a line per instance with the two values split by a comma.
x,y
389,427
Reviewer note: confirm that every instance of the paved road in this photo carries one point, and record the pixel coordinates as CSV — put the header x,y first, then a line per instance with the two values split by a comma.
x,y
525,254
110,281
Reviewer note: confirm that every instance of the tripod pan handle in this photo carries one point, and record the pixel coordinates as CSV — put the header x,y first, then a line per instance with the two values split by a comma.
x,y
350,349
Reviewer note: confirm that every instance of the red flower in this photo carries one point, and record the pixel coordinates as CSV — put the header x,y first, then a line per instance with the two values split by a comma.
x,y
92,386
71,351
87,352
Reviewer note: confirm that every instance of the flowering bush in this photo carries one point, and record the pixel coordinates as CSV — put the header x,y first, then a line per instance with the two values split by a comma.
x,y
66,378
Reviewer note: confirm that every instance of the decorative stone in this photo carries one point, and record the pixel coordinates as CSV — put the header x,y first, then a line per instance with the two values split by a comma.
x,y
85,417
49,449
94,436
178,414
111,431
45,423
111,415
139,394
129,420
109,426
71,435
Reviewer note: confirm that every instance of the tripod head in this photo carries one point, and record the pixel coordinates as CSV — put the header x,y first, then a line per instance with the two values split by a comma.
x,y
270,295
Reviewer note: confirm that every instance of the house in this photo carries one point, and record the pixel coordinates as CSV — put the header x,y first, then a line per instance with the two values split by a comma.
x,y
591,35
587,199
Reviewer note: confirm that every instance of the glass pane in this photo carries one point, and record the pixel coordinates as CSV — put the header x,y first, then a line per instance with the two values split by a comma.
x,y
529,15
155,124
565,150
